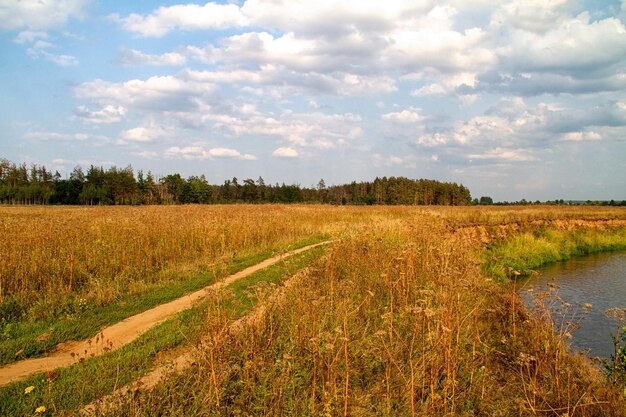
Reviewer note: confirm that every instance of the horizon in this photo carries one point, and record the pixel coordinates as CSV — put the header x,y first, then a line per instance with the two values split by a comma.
x,y
514,100
476,199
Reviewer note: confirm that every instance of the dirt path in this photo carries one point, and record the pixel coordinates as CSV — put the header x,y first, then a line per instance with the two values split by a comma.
x,y
187,358
127,330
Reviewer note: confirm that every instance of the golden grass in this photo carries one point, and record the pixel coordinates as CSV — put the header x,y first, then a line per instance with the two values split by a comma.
x,y
49,253
101,252
396,320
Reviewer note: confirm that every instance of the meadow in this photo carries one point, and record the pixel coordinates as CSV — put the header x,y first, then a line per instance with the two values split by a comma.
x,y
408,311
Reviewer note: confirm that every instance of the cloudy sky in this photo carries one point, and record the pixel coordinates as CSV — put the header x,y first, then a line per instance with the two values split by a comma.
x,y
514,99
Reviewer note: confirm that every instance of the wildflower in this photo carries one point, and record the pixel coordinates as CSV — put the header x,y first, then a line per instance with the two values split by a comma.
x,y
28,390
41,409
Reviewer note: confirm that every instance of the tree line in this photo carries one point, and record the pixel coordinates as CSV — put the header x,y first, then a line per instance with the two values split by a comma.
x,y
21,184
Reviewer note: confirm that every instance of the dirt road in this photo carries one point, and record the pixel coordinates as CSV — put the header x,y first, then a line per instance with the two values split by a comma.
x,y
127,330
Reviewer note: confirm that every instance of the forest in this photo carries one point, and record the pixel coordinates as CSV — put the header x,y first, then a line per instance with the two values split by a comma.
x,y
21,184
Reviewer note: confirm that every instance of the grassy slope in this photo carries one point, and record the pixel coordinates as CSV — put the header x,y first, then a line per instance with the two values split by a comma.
x,y
521,254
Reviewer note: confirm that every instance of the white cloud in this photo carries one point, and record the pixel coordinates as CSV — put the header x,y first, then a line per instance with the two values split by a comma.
x,y
165,93
315,130
198,152
39,48
580,136
446,83
285,152
500,155
295,54
29,36
224,153
56,136
133,58
409,161
142,134
513,132
183,17
147,154
537,16
226,77
410,115
39,14
575,46
330,17
60,60
290,65
108,114
431,43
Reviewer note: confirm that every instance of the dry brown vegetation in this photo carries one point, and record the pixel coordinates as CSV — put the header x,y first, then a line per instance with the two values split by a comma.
x,y
397,319
49,253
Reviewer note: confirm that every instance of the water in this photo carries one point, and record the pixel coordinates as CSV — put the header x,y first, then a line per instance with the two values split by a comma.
x,y
599,280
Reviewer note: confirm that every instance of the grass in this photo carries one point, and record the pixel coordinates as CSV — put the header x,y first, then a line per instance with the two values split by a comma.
x,y
34,338
397,320
408,313
56,260
522,253
65,390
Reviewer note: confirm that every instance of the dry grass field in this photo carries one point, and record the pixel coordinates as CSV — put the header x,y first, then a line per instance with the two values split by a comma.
x,y
408,312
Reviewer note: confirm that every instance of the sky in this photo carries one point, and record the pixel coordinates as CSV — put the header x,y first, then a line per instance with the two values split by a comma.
x,y
513,99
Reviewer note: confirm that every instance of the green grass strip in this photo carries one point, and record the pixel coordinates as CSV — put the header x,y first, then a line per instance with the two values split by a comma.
x,y
33,339
89,379
520,255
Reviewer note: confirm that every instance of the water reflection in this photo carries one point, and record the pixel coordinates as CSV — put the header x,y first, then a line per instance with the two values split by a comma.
x,y
599,280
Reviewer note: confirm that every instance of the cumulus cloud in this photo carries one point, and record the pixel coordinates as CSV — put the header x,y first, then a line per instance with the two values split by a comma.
x,y
39,14
445,84
38,47
164,93
331,18
576,46
199,152
379,160
61,60
290,72
285,152
568,54
147,154
184,17
536,16
143,134
108,114
580,136
341,48
29,36
499,155
56,136
314,130
514,132
410,115
133,58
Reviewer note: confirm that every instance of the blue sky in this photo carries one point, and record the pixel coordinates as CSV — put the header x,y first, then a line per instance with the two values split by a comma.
x,y
514,99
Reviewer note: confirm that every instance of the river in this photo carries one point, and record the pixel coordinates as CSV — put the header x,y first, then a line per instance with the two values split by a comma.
x,y
598,280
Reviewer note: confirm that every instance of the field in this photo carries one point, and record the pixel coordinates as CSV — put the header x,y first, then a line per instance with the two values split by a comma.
x,y
402,311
